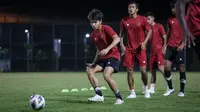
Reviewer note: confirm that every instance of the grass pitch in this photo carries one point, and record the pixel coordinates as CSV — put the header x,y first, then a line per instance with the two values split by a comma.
x,y
16,88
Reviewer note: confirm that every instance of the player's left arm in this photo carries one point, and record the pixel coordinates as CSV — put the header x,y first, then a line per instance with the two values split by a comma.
x,y
148,31
111,34
164,35
180,14
115,41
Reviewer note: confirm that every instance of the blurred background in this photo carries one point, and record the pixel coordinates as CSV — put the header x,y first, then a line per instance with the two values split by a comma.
x,y
45,36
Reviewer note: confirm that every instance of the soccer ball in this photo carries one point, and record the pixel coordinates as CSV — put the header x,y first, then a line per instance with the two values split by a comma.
x,y
37,102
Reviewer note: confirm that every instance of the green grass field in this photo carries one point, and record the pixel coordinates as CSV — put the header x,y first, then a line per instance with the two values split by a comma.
x,y
16,88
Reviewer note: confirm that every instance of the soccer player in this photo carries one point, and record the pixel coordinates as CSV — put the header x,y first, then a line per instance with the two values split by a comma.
x,y
158,42
135,26
107,56
191,29
175,52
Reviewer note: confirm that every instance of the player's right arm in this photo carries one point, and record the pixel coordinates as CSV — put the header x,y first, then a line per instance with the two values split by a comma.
x,y
121,35
168,30
95,59
180,14
96,56
164,35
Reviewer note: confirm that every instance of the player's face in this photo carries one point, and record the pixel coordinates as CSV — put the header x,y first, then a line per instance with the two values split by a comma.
x,y
132,9
173,10
150,19
95,24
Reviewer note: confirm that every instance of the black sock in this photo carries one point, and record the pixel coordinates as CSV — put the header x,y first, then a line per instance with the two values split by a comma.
x,y
118,96
98,91
169,81
182,81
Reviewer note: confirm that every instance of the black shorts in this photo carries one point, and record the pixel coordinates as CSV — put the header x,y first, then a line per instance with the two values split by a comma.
x,y
112,62
175,56
197,47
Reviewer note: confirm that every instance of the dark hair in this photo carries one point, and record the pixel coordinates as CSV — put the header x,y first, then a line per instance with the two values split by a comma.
x,y
133,2
95,14
173,3
149,14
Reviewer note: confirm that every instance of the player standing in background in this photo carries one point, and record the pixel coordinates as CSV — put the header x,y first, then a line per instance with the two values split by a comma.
x,y
135,26
158,42
107,57
175,52
191,29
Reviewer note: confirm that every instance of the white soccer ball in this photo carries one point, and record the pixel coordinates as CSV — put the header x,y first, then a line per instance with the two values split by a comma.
x,y
37,102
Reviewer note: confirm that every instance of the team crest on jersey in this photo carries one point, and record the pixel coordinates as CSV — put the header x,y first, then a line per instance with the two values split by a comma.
x,y
127,24
172,22
138,24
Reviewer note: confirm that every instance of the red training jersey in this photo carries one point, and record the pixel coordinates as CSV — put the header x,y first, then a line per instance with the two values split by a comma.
x,y
193,20
135,29
175,32
157,38
102,39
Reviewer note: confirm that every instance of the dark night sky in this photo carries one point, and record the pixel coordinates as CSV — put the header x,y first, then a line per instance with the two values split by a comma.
x,y
113,10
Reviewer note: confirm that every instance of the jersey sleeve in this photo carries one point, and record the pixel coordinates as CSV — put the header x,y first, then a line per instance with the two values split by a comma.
x,y
109,31
145,24
162,30
168,24
121,27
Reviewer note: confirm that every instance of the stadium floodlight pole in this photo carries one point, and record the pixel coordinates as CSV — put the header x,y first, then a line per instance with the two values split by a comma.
x,y
27,48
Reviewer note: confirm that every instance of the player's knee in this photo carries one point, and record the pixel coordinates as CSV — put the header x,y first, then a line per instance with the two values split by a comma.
x,y
167,68
182,68
90,71
143,72
107,77
168,75
153,71
130,70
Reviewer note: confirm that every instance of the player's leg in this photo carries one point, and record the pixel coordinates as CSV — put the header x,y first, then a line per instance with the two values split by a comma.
x,y
94,81
112,66
153,81
153,68
160,64
129,64
180,61
197,47
141,57
169,57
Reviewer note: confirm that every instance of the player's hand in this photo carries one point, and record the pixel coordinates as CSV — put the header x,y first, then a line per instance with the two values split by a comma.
x,y
103,52
181,47
143,45
189,37
90,65
164,50
123,49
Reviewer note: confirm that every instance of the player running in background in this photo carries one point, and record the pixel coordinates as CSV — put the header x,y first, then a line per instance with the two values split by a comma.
x,y
107,57
135,26
175,52
158,42
191,29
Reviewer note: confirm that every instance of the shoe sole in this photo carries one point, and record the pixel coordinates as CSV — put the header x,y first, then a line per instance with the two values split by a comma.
x,y
131,98
95,101
169,94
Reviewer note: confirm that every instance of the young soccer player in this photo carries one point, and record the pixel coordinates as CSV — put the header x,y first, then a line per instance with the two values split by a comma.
x,y
158,42
107,56
175,52
191,29
135,26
